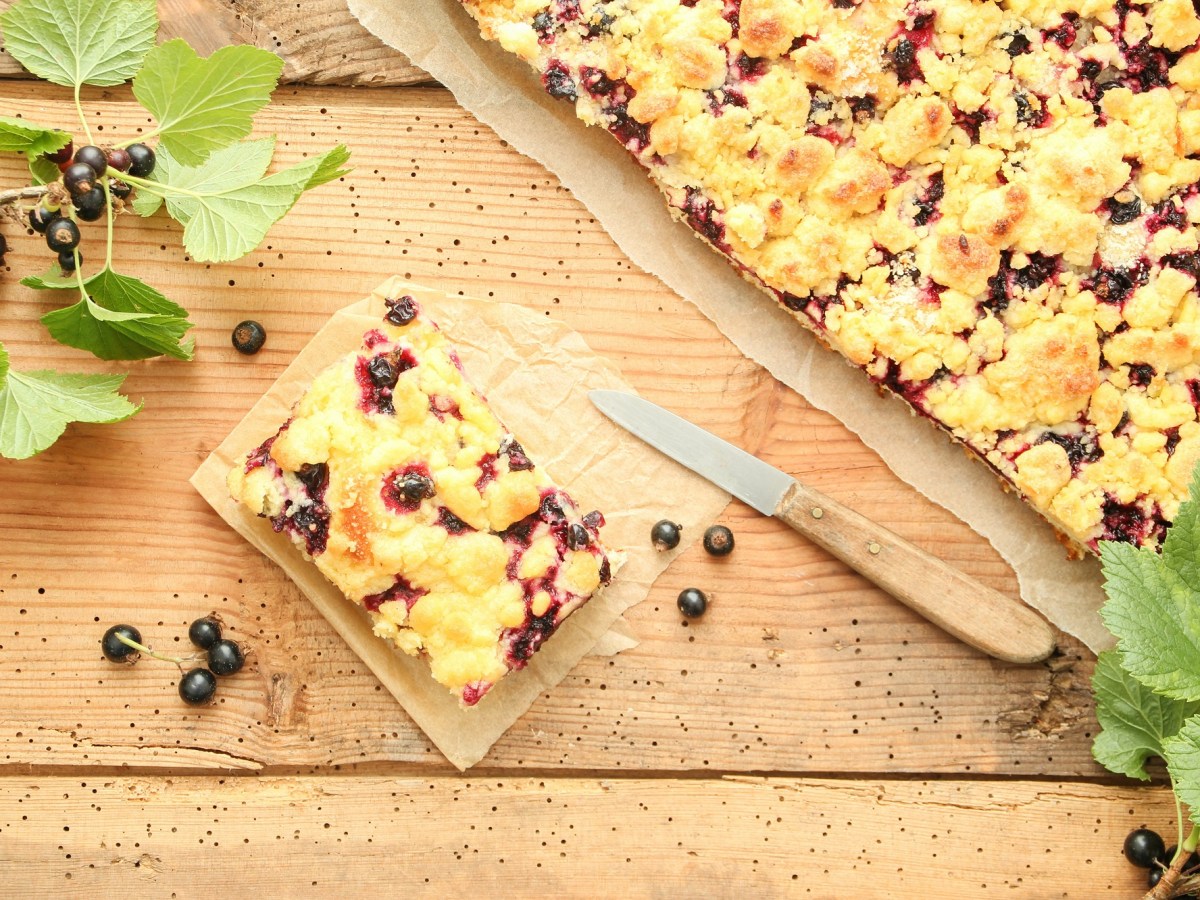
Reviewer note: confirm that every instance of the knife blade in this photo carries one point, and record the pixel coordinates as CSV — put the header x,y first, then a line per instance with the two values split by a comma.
x,y
971,611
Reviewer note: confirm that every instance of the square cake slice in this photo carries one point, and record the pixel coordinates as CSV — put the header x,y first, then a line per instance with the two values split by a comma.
x,y
399,482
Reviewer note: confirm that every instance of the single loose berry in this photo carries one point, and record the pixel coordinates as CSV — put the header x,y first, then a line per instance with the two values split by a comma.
x,y
1143,847
665,535
79,178
119,159
401,311
40,217
62,155
141,160
249,337
204,632
718,540
90,206
68,260
225,657
197,686
92,157
116,650
62,234
692,602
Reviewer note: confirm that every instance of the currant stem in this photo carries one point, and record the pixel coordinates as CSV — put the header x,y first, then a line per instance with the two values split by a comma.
x,y
104,182
82,118
142,648
33,192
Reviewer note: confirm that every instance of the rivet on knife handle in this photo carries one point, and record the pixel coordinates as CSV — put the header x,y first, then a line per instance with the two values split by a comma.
x,y
994,623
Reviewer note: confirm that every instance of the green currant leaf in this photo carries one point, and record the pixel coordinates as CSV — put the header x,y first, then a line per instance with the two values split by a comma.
x,y
36,407
332,167
74,42
1182,753
42,170
225,204
1135,722
202,104
119,318
19,136
1152,605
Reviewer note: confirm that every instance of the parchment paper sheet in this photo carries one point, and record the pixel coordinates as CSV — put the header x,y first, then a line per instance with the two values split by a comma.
x,y
501,91
536,374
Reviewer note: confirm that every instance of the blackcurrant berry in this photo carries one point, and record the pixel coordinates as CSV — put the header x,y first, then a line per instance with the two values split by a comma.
x,y
417,487
1164,859
225,657
141,160
197,686
62,234
90,206
692,602
577,537
79,178
114,649
63,155
119,159
67,260
40,217
718,540
1154,876
665,535
119,189
1143,847
3,248
92,157
382,372
401,311
248,336
204,632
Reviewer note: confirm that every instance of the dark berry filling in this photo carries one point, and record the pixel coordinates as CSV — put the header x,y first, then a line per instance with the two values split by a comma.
x,y
927,203
404,489
1127,522
451,522
309,521
577,537
401,590
262,454
377,376
1081,448
558,82
473,692
517,460
487,470
444,406
1141,374
402,310
523,642
315,478
702,215
1018,44
1121,212
1029,113
1064,34
1115,285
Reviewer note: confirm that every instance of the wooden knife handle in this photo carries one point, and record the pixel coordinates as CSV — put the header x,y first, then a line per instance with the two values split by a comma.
x,y
974,613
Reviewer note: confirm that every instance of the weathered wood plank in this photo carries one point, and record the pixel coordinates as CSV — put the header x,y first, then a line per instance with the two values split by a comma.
x,y
571,838
798,667
322,44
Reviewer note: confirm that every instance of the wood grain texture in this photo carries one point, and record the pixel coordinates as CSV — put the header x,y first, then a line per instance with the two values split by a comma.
x,y
637,837
800,666
319,40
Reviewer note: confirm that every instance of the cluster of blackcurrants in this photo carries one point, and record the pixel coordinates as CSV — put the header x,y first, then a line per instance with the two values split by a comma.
x,y
718,541
90,175
123,643
1145,848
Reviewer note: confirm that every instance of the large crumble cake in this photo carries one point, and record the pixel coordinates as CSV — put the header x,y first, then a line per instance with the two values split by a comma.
x,y
990,207
394,476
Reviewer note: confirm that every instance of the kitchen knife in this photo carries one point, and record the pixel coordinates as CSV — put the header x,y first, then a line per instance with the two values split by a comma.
x,y
974,613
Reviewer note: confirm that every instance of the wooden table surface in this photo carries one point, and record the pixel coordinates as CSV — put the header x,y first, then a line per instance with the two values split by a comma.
x,y
809,737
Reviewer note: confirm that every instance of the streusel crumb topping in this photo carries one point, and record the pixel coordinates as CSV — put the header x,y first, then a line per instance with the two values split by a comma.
x,y
991,207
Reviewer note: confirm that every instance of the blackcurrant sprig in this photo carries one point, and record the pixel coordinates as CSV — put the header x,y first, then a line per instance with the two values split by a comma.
x,y
198,684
